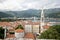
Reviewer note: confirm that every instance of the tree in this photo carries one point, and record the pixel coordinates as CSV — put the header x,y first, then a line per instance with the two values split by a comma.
x,y
52,33
1,33
0,19
19,27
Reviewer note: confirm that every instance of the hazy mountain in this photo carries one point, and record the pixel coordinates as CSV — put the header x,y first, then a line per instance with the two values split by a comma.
x,y
53,12
2,14
31,13
25,13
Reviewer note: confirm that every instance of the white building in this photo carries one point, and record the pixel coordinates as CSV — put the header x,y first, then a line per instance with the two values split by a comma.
x,y
28,28
36,29
19,33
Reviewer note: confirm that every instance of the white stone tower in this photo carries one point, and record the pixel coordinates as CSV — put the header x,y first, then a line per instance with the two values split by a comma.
x,y
42,21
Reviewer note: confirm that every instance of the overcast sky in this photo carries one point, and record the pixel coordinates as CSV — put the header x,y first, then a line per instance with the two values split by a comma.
x,y
28,4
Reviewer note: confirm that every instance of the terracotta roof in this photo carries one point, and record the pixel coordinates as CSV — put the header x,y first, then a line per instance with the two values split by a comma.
x,y
19,30
29,35
11,29
9,24
5,24
16,23
10,35
46,27
36,23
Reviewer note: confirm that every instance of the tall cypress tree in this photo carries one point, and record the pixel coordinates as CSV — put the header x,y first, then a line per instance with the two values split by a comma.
x,y
1,33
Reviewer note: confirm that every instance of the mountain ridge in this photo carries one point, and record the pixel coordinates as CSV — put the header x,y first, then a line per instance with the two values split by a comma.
x,y
33,13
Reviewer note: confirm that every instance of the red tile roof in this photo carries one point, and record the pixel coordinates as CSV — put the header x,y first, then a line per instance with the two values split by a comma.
x,y
16,23
19,30
10,35
46,27
29,35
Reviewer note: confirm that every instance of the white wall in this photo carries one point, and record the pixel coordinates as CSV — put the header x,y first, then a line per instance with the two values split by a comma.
x,y
19,35
35,28
28,28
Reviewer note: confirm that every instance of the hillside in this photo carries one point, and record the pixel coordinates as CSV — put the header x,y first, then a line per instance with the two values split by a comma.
x,y
54,15
31,13
2,14
25,13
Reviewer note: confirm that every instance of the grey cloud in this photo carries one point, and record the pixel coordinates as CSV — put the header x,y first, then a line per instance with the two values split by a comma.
x,y
1,1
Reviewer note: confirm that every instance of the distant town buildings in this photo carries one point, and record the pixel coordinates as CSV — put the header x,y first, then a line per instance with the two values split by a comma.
x,y
30,27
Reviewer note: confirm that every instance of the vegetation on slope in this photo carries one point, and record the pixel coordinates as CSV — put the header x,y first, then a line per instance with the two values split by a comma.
x,y
52,33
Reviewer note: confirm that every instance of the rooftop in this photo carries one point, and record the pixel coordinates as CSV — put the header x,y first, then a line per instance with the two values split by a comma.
x,y
30,35
10,35
19,30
